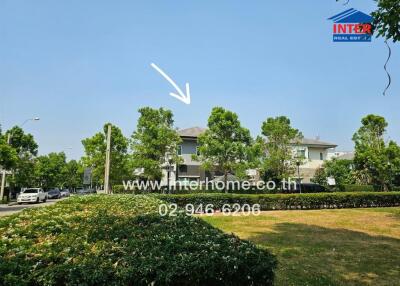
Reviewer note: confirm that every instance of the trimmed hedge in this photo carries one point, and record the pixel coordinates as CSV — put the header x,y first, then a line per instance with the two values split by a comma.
x,y
122,240
305,188
291,201
359,188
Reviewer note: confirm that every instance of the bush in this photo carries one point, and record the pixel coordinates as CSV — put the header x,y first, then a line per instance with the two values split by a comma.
x,y
305,188
290,201
119,189
122,240
360,188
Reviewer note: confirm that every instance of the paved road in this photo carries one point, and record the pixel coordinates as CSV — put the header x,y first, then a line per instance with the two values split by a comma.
x,y
7,210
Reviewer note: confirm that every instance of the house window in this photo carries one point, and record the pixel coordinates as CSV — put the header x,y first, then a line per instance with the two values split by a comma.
x,y
321,156
183,168
197,150
301,153
179,151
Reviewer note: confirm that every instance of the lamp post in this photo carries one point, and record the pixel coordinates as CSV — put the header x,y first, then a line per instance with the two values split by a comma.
x,y
298,174
169,167
3,177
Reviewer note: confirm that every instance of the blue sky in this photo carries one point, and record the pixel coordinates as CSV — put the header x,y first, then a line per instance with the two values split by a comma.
x,y
78,64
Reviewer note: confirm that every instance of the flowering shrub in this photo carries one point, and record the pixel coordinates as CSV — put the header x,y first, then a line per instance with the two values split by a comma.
x,y
122,240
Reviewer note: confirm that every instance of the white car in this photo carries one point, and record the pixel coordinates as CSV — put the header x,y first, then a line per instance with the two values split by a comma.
x,y
32,195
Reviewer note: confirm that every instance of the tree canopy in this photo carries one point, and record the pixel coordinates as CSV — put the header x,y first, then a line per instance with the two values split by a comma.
x,y
226,144
387,19
339,169
25,149
373,157
154,140
50,169
279,160
21,142
95,150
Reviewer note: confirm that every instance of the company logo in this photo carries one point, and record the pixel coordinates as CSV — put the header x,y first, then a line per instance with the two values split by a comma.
x,y
352,26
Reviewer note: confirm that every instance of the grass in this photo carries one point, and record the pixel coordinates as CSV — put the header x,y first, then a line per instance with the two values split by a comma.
x,y
325,247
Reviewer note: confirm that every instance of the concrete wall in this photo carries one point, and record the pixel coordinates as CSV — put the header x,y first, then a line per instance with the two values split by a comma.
x,y
314,153
313,162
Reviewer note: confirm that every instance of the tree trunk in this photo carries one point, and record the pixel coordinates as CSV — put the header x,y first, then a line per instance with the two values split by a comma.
x,y
385,187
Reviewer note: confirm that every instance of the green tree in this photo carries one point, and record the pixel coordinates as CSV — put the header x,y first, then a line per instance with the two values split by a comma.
x,y
154,142
24,171
21,142
50,170
95,154
73,174
387,19
226,145
8,156
279,160
341,170
25,148
393,153
372,156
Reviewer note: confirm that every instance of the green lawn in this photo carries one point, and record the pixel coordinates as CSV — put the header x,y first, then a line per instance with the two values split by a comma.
x,y
326,247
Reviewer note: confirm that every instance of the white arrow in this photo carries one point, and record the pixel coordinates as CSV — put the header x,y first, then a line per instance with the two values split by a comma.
x,y
182,97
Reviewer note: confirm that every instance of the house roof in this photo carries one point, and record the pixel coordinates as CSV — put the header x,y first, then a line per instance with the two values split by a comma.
x,y
192,132
316,143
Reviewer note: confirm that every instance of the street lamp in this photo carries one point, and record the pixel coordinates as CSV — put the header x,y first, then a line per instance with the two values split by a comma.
x,y
3,177
298,163
169,168
23,123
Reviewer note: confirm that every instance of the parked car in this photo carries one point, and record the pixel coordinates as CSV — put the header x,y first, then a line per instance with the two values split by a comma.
x,y
83,191
65,193
32,195
310,188
53,194
92,191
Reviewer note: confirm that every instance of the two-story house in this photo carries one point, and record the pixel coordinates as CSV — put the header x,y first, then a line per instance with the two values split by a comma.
x,y
190,170
314,152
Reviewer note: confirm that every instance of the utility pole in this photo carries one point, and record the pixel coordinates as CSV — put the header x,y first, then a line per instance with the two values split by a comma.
x,y
3,175
107,168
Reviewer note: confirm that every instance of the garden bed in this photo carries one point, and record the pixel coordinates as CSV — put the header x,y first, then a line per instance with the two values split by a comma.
x,y
122,240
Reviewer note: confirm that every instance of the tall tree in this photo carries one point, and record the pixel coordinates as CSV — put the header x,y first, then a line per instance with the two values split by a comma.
x,y
279,160
372,156
73,174
49,170
26,149
95,154
225,145
154,142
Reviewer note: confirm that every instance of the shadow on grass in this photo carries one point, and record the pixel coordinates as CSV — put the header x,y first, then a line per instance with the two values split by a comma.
x,y
313,255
